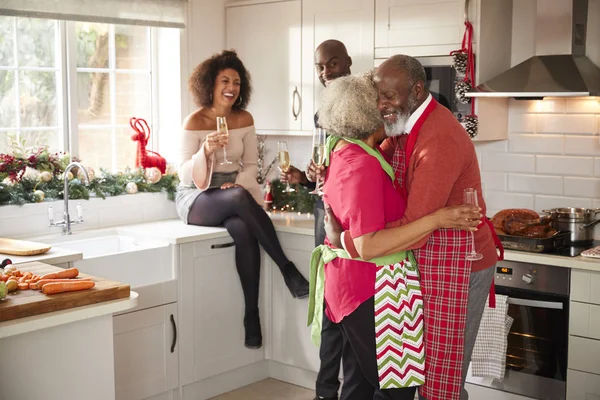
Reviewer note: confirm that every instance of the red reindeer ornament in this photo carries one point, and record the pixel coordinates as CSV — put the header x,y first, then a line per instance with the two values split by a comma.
x,y
145,158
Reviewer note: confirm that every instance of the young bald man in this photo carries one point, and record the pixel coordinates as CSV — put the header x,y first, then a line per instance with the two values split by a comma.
x,y
331,62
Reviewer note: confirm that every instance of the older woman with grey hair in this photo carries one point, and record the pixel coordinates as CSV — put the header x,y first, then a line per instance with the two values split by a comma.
x,y
377,302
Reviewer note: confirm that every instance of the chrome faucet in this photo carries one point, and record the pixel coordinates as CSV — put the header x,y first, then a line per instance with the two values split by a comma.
x,y
66,222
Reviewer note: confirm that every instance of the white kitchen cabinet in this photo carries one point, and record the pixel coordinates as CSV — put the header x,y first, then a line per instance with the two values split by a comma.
x,y
290,337
212,312
146,352
268,39
418,27
582,386
349,21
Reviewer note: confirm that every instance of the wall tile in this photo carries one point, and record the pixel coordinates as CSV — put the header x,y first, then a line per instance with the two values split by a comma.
x,y
522,106
521,123
535,184
583,106
550,106
494,180
500,200
536,144
547,202
549,123
582,187
582,145
500,162
561,165
500,146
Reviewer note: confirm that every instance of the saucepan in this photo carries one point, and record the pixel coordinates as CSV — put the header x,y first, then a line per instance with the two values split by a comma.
x,y
580,221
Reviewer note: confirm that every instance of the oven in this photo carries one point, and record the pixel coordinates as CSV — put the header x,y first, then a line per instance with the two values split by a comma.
x,y
536,355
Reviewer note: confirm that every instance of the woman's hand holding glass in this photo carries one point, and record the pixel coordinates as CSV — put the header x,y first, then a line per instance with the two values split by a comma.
x,y
214,141
463,217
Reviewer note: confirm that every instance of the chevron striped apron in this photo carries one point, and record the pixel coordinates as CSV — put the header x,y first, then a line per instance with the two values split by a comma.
x,y
398,314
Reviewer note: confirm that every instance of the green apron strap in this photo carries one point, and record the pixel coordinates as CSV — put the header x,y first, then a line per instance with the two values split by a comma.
x,y
333,140
320,256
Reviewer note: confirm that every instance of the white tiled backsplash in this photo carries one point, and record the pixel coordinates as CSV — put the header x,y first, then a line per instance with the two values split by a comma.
x,y
32,219
551,158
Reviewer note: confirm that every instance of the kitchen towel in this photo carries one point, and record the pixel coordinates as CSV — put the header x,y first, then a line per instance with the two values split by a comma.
x,y
489,353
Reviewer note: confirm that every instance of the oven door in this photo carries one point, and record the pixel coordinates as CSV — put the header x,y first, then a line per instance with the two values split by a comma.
x,y
536,355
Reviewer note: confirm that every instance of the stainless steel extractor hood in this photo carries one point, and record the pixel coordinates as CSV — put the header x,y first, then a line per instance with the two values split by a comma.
x,y
555,75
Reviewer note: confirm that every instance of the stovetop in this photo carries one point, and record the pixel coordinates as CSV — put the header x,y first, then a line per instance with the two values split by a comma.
x,y
574,249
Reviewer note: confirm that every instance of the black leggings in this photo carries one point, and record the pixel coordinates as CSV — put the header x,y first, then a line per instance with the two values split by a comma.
x,y
248,224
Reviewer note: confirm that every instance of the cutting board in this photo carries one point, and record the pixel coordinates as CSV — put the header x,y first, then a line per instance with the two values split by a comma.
x,y
22,247
25,303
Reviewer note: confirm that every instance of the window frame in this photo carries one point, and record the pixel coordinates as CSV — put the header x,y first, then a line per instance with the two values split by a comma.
x,y
67,96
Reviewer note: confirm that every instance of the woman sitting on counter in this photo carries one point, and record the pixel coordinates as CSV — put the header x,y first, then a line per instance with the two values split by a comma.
x,y
218,179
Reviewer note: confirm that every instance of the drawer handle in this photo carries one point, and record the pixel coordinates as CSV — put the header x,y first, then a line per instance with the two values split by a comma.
x,y
222,245
174,334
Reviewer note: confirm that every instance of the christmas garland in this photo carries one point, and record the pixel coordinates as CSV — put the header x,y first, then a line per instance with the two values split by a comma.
x,y
30,176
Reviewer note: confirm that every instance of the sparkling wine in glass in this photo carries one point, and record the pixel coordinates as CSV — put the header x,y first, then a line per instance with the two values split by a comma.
x,y
284,163
222,128
318,154
470,197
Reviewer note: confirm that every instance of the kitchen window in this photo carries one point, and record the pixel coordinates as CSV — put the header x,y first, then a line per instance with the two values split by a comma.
x,y
73,86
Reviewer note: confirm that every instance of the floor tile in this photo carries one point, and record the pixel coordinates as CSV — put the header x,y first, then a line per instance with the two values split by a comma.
x,y
268,389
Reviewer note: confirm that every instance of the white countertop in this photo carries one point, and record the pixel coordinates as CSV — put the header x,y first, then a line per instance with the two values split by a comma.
x,y
48,320
175,232
55,255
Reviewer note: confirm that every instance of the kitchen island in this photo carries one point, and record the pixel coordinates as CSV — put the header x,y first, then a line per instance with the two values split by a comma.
x,y
60,355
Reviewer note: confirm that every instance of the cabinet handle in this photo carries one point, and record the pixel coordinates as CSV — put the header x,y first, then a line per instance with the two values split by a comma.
x,y
295,94
466,10
222,245
174,334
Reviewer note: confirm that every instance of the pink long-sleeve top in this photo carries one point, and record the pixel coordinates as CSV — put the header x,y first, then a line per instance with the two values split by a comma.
x,y
196,169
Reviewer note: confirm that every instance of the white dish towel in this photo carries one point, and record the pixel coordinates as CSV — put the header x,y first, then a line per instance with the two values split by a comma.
x,y
489,353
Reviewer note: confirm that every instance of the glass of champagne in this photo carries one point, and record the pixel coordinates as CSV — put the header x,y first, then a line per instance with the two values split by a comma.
x,y
284,163
318,154
222,128
470,197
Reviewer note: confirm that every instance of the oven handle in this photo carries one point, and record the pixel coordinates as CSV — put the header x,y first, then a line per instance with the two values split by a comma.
x,y
535,303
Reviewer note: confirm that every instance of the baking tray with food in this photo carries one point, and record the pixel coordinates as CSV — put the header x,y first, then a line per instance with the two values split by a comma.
x,y
523,229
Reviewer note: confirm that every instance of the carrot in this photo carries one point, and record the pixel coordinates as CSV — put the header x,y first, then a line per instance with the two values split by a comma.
x,y
65,274
23,286
60,287
33,286
41,283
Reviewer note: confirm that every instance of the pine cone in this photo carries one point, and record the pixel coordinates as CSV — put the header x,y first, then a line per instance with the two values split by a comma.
x,y
471,123
461,88
460,62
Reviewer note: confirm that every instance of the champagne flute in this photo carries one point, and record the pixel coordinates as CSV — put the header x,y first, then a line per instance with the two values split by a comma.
x,y
222,128
284,163
470,197
318,154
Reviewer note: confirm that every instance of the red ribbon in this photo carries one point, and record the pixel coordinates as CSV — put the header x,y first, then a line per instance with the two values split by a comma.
x,y
467,47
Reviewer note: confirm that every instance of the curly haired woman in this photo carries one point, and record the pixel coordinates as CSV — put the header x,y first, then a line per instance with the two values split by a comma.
x,y
212,194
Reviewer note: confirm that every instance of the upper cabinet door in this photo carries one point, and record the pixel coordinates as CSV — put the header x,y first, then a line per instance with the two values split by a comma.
x,y
268,39
351,22
419,27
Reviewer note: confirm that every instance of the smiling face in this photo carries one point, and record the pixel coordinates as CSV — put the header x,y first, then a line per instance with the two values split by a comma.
x,y
332,61
398,97
227,88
